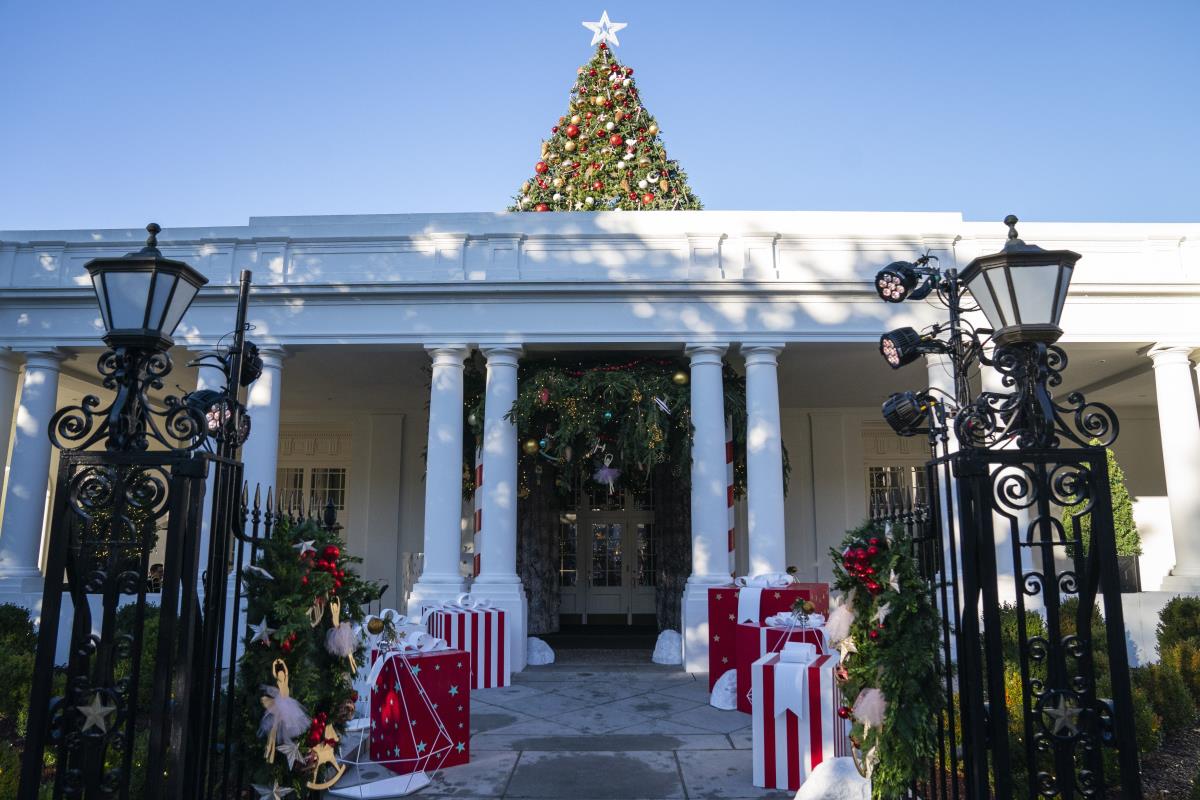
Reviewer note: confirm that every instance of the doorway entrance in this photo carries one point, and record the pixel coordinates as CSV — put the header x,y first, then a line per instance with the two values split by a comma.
x,y
607,551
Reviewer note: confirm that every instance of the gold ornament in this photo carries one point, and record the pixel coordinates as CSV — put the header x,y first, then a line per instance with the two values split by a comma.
x,y
525,187
599,100
326,755
335,620
662,184
279,670
652,130
545,149
558,182
316,611
530,447
576,119
680,378
375,626
569,147
644,161
620,115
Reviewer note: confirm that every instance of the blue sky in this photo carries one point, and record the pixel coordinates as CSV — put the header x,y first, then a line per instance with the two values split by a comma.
x,y
207,112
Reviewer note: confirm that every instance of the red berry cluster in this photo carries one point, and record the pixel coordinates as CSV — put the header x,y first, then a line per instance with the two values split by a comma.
x,y
316,730
859,562
328,563
287,644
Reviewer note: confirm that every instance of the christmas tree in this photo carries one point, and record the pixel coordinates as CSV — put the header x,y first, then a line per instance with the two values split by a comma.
x,y
297,669
606,153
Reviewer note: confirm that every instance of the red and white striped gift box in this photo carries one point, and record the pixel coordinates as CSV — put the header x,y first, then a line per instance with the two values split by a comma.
x,y
752,642
479,631
796,725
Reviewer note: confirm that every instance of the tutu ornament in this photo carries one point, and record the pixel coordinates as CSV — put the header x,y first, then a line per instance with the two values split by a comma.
x,y
284,718
340,640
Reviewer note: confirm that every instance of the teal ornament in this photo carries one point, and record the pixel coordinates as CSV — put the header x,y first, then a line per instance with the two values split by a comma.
x,y
542,443
607,415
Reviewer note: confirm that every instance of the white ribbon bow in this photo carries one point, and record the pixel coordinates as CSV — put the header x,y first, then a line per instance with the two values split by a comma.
x,y
464,602
769,580
409,644
789,619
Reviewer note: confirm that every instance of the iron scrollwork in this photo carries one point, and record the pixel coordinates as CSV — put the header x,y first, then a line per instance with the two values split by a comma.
x,y
1029,416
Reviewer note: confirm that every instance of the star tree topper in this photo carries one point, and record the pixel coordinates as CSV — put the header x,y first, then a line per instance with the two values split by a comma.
x,y
605,30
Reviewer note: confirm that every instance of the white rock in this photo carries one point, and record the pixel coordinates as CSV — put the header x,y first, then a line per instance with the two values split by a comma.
x,y
538,653
724,693
835,779
669,648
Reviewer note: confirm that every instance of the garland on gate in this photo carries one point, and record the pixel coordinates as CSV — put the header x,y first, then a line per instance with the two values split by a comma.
x,y
296,672
605,425
887,631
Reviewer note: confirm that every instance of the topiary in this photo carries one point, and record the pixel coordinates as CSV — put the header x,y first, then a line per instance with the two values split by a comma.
x,y
1168,695
1184,658
1125,532
1179,620
18,643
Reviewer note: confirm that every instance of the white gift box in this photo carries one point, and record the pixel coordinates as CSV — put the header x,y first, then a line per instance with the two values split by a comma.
x,y
795,721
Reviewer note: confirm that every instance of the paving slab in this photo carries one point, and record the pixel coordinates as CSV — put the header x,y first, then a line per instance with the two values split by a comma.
x,y
619,741
655,704
486,775
600,719
692,690
491,718
722,775
544,704
741,740
604,692
668,725
539,727
713,719
596,776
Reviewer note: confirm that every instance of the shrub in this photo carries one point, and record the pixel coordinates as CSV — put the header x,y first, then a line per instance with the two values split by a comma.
x,y
1147,724
125,622
18,642
1179,620
1129,541
1168,695
1184,658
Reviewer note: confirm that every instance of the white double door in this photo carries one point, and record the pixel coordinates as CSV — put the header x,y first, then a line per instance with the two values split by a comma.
x,y
617,570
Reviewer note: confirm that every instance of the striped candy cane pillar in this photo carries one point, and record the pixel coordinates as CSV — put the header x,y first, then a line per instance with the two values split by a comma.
x,y
729,494
478,505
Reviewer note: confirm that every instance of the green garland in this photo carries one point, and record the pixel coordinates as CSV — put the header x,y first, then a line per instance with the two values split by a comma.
x,y
896,656
321,682
571,415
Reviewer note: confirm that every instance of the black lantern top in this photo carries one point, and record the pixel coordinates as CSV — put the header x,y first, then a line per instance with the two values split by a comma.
x,y
1021,289
142,295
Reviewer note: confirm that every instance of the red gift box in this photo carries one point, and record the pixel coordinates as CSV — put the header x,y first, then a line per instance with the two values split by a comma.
x,y
420,710
480,632
727,607
796,725
755,641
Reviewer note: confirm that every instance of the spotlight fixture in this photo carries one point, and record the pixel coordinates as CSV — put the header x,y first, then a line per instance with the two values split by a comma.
x,y
904,346
895,282
906,412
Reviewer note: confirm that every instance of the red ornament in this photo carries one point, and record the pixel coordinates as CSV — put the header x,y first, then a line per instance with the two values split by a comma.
x,y
629,70
874,540
597,185
286,647
541,168
589,115
554,129
647,198
874,634
582,149
572,131
860,553
542,207
543,395
872,551
592,72
615,140
844,712
603,46
873,587
304,581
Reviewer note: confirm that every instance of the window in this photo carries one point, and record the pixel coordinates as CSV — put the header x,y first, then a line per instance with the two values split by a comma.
x,y
311,487
606,553
567,547
895,485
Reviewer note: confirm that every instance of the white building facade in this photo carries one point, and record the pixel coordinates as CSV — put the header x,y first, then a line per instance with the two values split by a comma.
x,y
365,323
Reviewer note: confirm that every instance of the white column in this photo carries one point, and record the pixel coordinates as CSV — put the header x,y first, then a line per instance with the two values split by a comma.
x,y
1179,427
441,578
29,470
260,454
10,378
498,580
764,460
710,556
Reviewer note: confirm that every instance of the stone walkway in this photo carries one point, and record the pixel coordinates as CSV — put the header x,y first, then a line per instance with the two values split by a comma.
x,y
602,731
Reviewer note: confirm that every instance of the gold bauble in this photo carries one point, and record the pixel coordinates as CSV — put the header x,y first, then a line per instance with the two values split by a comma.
x,y
576,119
680,378
644,161
569,147
662,185
558,182
530,447
653,129
375,626
599,100
525,187
620,115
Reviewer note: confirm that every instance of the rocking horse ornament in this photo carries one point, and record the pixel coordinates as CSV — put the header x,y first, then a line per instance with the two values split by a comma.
x,y
326,754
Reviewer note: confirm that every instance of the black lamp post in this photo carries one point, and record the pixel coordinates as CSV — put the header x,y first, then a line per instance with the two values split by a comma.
x,y
143,296
1021,289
